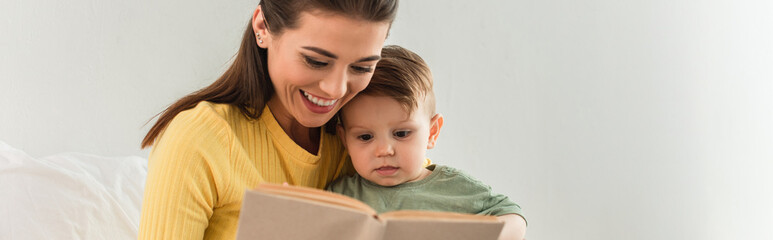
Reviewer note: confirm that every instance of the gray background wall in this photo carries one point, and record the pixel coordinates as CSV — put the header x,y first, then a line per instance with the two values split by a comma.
x,y
604,119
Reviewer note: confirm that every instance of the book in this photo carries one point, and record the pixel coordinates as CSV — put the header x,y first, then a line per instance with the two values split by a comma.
x,y
272,211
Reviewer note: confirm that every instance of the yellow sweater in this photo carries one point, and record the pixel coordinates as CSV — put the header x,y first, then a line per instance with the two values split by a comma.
x,y
201,165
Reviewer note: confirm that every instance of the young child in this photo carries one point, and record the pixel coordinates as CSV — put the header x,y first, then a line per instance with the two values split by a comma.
x,y
387,129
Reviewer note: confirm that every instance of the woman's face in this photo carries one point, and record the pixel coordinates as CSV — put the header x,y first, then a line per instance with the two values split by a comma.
x,y
319,66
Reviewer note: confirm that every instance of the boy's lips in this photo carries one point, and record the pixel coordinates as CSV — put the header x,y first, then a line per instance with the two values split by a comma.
x,y
387,170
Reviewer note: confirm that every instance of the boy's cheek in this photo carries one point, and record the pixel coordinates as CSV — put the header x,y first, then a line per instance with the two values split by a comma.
x,y
356,153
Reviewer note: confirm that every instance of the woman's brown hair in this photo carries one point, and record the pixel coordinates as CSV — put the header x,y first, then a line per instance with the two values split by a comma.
x,y
246,83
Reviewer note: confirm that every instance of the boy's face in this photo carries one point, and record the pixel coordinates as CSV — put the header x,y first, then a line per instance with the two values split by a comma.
x,y
387,145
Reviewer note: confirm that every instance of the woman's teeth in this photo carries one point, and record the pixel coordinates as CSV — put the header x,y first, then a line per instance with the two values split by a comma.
x,y
319,102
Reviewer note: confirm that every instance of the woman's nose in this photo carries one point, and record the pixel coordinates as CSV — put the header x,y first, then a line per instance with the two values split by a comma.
x,y
334,85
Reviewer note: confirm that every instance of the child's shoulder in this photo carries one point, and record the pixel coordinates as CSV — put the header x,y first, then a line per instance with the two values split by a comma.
x,y
449,171
457,177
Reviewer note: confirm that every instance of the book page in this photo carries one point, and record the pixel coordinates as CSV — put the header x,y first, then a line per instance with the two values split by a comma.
x,y
431,225
273,216
433,215
441,229
316,195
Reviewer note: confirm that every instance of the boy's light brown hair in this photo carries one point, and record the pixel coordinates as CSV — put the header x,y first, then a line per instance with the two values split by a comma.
x,y
405,77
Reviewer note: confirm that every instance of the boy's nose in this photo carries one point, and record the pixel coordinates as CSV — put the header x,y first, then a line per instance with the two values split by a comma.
x,y
385,149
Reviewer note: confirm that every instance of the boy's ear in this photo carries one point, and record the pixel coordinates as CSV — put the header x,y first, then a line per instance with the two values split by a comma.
x,y
434,129
341,133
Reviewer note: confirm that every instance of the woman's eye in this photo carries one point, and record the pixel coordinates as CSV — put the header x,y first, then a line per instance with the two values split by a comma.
x,y
365,137
314,63
359,69
402,134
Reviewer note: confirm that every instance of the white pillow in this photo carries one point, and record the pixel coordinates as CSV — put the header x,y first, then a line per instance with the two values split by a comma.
x,y
69,195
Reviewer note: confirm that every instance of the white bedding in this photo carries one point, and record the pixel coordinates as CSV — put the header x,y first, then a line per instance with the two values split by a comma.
x,y
69,195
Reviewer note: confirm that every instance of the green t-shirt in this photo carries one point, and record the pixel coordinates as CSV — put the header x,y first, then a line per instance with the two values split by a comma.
x,y
445,189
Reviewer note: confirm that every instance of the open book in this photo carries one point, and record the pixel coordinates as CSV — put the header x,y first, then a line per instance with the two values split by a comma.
x,y
274,211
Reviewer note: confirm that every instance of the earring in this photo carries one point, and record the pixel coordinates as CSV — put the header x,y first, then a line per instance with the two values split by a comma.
x,y
259,39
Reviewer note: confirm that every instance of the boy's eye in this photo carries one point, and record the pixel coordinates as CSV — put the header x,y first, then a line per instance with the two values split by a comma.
x,y
365,137
314,63
402,134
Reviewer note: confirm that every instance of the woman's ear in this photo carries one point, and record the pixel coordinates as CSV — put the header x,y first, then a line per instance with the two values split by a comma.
x,y
259,28
435,124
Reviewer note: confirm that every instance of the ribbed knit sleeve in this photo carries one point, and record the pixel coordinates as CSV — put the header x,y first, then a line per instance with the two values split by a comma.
x,y
181,190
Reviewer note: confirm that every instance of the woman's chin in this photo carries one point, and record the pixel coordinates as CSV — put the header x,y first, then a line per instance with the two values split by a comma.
x,y
313,120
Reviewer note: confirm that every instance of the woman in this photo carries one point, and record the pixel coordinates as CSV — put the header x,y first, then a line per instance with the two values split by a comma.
x,y
299,62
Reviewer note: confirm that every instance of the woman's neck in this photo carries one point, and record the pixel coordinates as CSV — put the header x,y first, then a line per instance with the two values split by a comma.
x,y
307,138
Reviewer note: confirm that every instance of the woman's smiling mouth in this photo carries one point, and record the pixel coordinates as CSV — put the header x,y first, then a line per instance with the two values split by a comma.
x,y
319,101
318,104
